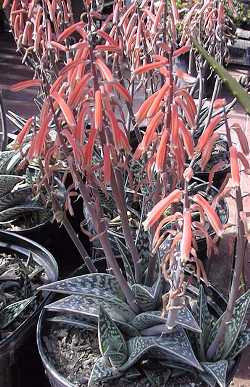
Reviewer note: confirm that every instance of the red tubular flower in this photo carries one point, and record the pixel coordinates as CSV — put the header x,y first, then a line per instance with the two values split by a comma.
x,y
24,131
187,139
235,170
149,134
98,110
155,214
219,103
157,100
89,148
120,138
144,108
242,138
150,66
210,212
25,85
245,162
208,132
188,174
207,150
104,70
67,112
69,31
161,151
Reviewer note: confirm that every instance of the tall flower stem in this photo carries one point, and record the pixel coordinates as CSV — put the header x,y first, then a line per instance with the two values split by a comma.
x,y
239,263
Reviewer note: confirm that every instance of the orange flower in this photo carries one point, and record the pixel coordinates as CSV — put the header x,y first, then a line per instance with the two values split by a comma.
x,y
210,212
219,103
104,70
187,139
188,174
149,134
98,110
24,131
89,147
208,132
69,31
67,112
122,91
161,151
25,85
144,108
157,100
106,36
150,66
242,138
207,150
244,162
160,207
235,170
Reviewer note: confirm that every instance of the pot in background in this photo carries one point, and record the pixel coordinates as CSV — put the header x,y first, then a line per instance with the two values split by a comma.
x,y
12,348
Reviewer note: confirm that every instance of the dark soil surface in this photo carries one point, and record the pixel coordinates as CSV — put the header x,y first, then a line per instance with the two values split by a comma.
x,y
73,353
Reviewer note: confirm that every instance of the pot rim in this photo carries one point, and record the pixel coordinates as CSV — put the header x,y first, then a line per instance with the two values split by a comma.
x,y
14,242
51,370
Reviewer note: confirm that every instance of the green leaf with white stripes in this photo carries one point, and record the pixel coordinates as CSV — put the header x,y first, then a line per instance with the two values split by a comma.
x,y
241,343
232,328
111,341
100,285
218,370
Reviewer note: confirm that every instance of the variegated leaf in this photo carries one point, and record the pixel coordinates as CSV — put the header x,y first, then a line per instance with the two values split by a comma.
x,y
241,343
143,247
8,182
157,377
12,213
102,372
13,198
12,311
128,269
15,159
148,319
98,285
187,320
148,297
69,320
5,156
218,370
177,367
87,310
175,344
208,379
204,320
233,327
111,341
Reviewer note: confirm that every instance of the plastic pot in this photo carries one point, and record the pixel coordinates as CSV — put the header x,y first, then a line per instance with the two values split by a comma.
x,y
13,347
56,239
217,304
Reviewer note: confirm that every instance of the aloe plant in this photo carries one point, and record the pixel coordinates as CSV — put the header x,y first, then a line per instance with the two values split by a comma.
x,y
126,337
